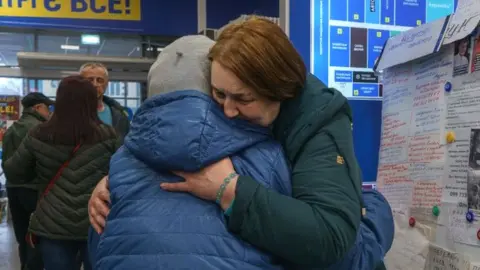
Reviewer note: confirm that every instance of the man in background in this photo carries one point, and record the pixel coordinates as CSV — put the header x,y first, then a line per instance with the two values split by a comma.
x,y
109,110
22,198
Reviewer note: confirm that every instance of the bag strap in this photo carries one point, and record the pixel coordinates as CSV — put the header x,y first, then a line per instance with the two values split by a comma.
x,y
59,172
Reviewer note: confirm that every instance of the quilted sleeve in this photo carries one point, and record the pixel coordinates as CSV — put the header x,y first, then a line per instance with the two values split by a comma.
x,y
21,165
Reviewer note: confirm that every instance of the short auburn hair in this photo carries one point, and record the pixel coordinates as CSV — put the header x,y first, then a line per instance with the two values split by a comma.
x,y
260,54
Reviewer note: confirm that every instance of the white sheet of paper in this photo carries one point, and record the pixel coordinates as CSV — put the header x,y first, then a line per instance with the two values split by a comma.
x,y
439,258
474,266
410,246
412,44
456,168
463,22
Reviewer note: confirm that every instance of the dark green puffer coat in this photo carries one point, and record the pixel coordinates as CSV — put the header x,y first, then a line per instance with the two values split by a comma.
x,y
62,214
14,137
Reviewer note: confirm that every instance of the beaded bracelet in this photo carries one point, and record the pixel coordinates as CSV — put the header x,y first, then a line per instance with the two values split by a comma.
x,y
222,187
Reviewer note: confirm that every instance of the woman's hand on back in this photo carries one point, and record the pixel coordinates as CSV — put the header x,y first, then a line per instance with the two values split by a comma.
x,y
205,184
98,205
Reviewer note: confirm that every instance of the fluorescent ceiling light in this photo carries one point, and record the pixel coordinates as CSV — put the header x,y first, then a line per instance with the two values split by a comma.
x,y
91,39
70,47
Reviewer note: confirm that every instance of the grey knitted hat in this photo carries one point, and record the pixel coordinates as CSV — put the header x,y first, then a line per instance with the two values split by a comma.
x,y
182,65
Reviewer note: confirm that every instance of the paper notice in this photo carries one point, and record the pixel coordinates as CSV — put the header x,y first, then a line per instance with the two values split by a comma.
x,y
463,22
397,93
395,184
395,129
442,259
463,102
456,168
459,229
410,246
474,265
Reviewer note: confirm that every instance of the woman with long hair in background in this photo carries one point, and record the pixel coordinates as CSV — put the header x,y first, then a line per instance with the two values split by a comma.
x,y
65,157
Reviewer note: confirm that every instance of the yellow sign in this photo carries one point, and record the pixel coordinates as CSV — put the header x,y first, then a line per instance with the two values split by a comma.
x,y
121,10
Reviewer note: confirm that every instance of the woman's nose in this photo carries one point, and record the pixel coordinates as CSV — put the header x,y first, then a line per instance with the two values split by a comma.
x,y
230,109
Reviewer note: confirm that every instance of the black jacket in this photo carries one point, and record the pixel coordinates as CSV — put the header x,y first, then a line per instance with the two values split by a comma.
x,y
120,121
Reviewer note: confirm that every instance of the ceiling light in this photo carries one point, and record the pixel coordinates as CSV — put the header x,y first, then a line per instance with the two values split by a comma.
x,y
70,47
90,39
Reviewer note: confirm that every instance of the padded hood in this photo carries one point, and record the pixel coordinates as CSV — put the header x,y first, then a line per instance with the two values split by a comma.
x,y
186,131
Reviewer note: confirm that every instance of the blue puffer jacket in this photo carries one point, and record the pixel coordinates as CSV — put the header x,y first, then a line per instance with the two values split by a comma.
x,y
374,237
148,228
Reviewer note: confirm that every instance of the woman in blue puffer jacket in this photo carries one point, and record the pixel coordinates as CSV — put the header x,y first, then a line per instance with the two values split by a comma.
x,y
184,130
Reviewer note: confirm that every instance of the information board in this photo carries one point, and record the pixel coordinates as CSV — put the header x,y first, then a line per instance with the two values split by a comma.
x,y
347,37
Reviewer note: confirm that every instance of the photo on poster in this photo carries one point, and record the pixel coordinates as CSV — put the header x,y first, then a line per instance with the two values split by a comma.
x,y
461,58
473,176
475,63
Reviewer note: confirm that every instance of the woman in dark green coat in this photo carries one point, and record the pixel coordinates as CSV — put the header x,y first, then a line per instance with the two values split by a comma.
x,y
65,158
258,75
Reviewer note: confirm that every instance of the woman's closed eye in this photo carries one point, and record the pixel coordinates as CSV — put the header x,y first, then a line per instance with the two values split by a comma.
x,y
218,93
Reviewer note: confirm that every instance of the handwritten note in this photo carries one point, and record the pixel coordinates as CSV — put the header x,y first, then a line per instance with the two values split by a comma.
x,y
428,120
463,22
397,93
441,259
426,194
395,129
396,185
425,148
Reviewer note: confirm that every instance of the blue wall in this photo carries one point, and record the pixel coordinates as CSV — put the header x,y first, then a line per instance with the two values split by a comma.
x,y
367,125
367,115
220,12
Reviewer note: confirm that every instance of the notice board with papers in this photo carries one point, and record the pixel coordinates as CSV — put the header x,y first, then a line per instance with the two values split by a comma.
x,y
429,157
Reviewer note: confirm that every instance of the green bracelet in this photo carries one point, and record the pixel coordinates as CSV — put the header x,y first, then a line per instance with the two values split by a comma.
x,y
222,187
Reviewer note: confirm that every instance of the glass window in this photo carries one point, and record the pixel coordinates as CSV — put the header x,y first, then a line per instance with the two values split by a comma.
x,y
11,44
116,89
122,47
133,90
61,44
11,86
48,87
31,86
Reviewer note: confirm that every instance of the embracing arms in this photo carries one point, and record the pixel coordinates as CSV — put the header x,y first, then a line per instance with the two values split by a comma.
x,y
315,227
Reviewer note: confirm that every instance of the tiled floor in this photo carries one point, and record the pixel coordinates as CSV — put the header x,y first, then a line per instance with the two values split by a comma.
x,y
8,248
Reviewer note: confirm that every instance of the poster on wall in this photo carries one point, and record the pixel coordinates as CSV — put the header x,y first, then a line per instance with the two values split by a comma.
x,y
348,37
9,107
